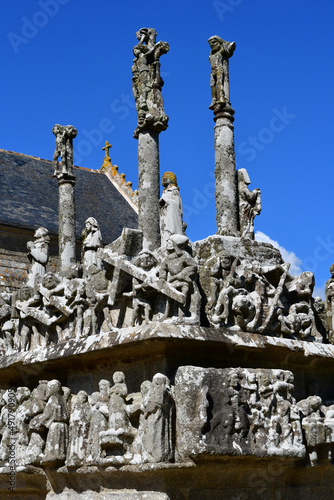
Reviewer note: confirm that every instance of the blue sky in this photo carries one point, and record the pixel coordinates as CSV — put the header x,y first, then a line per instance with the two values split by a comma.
x,y
69,62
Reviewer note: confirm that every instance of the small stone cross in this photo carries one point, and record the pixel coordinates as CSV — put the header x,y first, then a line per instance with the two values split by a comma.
x,y
106,149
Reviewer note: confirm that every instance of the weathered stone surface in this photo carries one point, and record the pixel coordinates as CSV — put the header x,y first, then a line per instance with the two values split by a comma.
x,y
147,82
149,188
236,411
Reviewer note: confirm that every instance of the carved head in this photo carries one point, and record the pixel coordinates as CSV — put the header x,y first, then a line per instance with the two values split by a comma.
x,y
177,241
118,378
81,398
41,232
243,176
169,180
91,224
22,394
147,35
215,43
104,387
50,281
25,292
145,260
56,129
54,388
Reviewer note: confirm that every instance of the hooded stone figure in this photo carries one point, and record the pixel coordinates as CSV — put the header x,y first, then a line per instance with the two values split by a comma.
x,y
249,204
91,242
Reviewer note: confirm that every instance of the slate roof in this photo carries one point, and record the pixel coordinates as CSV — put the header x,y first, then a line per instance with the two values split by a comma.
x,y
29,197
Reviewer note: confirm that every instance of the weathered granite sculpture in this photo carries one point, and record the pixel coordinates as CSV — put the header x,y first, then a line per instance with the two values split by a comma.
x,y
91,242
64,149
170,204
249,204
147,84
38,254
147,81
221,51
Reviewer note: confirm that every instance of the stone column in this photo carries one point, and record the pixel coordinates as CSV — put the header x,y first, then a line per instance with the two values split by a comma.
x,y
225,176
147,85
66,181
66,231
149,188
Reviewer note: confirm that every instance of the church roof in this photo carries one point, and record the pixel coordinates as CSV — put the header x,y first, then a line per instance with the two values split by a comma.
x,y
29,197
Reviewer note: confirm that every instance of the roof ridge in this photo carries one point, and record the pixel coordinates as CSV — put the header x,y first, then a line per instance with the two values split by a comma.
x,y
43,159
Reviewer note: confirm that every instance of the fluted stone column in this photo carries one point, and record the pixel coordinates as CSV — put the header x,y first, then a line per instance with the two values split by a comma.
x,y
147,85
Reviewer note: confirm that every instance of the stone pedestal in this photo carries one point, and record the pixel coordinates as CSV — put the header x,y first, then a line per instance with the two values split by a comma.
x,y
66,221
149,189
225,178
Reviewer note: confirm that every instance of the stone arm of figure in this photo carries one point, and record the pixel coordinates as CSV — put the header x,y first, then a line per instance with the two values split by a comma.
x,y
140,48
163,272
250,196
187,274
230,48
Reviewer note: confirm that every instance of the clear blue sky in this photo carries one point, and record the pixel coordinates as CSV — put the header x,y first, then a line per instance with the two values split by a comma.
x,y
69,62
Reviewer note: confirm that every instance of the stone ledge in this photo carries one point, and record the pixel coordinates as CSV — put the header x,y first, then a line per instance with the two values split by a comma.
x,y
180,344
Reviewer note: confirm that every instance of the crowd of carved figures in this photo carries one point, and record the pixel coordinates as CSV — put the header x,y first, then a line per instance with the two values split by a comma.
x,y
236,411
239,411
114,287
52,426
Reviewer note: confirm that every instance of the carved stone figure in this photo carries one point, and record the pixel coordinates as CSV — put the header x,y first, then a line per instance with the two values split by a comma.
x,y
120,434
64,148
249,204
142,294
156,424
180,270
329,294
99,402
147,82
91,242
37,429
38,254
55,419
170,205
299,322
78,430
313,425
221,51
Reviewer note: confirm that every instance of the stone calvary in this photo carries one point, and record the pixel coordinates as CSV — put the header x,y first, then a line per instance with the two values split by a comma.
x,y
157,367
